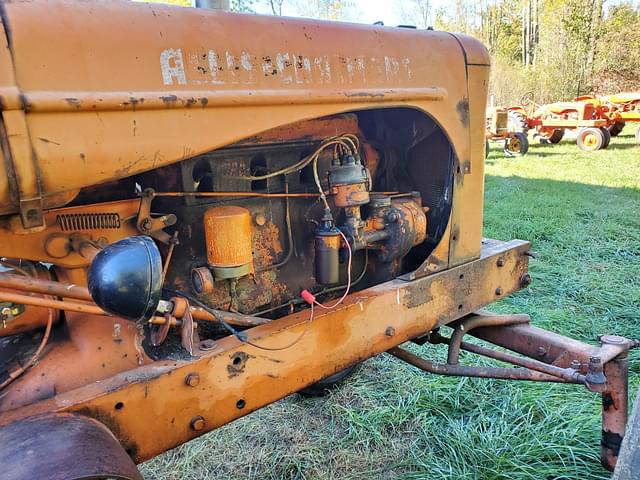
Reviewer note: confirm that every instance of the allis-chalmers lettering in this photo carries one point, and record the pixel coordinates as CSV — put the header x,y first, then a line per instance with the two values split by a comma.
x,y
213,67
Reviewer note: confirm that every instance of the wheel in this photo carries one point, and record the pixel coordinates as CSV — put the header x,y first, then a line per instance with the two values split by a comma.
x,y
554,138
516,145
607,136
517,122
616,128
590,139
61,447
325,385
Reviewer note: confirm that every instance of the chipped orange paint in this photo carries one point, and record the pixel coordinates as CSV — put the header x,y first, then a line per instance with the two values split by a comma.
x,y
118,89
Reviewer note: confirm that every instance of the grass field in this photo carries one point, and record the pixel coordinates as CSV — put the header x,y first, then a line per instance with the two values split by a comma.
x,y
582,213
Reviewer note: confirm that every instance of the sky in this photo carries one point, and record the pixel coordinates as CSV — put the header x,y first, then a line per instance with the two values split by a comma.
x,y
364,11
387,11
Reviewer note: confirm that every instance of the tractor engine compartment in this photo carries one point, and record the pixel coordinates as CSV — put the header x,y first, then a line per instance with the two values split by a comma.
x,y
301,214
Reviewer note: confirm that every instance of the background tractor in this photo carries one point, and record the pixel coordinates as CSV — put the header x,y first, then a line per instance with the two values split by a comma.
x,y
550,121
619,108
500,128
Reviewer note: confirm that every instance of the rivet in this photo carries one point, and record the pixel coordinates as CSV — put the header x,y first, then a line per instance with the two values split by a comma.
x,y
197,423
390,332
192,380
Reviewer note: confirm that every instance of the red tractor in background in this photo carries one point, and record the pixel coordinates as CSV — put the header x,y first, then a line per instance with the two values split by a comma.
x,y
623,107
550,121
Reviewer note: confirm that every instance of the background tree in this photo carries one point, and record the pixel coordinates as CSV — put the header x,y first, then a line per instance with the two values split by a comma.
x,y
552,49
324,9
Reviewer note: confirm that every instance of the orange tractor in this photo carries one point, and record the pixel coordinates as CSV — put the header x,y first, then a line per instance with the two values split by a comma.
x,y
621,108
202,213
499,128
550,121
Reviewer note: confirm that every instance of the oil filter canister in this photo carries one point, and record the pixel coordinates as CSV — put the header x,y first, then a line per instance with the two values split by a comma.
x,y
229,247
327,246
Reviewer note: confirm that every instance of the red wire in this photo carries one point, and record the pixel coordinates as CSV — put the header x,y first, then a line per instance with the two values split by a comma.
x,y
346,292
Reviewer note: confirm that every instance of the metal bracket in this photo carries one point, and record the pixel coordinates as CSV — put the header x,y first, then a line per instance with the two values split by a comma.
x,y
149,225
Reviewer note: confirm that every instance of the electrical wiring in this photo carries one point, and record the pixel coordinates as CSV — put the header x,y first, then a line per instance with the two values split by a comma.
x,y
45,338
348,141
292,343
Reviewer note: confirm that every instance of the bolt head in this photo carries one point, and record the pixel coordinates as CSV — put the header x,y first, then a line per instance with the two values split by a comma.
x,y
390,332
500,262
192,380
499,291
260,219
525,281
197,423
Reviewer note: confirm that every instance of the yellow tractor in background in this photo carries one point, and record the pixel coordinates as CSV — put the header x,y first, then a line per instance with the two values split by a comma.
x,y
500,127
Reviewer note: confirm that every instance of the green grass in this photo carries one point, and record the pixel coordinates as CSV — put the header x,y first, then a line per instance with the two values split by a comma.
x,y
581,211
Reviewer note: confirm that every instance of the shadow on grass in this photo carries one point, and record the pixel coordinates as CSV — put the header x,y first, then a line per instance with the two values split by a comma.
x,y
588,238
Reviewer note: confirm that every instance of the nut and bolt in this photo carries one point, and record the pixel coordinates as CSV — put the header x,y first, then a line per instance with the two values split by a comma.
x,y
145,225
390,332
197,423
192,380
576,365
525,280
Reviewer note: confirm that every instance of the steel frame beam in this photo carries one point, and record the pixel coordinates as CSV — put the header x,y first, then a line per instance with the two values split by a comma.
x,y
160,406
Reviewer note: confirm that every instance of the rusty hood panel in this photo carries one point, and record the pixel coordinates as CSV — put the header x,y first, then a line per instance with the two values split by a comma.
x,y
111,89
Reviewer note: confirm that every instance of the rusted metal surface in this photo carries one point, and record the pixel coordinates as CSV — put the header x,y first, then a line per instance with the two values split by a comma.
x,y
63,447
614,409
53,244
17,317
97,348
605,367
351,333
228,236
477,321
499,373
47,287
549,347
70,306
569,374
328,73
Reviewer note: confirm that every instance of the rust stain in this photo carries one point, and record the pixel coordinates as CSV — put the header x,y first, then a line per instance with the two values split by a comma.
x,y
462,107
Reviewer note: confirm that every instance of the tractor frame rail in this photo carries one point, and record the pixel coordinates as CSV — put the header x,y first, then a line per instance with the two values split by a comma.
x,y
159,406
